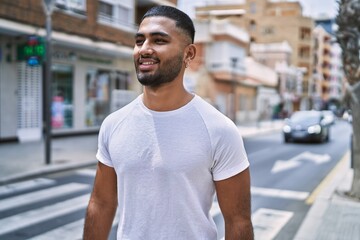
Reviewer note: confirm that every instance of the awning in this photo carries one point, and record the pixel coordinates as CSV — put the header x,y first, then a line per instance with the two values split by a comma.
x,y
63,39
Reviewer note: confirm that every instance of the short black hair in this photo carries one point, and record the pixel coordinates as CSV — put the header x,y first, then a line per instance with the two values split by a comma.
x,y
182,20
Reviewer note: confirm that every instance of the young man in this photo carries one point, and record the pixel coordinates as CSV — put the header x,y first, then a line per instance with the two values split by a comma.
x,y
163,156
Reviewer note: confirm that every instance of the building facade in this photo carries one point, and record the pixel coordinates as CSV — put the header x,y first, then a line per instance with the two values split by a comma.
x,y
333,90
269,21
92,67
218,71
278,57
223,72
320,84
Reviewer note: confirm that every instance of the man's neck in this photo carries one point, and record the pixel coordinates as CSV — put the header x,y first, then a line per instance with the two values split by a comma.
x,y
166,98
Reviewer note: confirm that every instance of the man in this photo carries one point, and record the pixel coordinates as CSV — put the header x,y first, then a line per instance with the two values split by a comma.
x,y
163,156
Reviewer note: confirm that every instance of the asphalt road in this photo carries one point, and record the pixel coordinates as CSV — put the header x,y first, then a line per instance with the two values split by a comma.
x,y
284,176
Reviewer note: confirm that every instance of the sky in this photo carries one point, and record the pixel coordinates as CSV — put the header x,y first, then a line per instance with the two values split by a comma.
x,y
312,8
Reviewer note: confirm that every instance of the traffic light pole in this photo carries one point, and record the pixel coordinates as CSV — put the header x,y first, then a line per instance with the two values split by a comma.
x,y
48,8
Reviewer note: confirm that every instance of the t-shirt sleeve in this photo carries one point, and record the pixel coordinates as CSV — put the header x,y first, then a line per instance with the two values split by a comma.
x,y
230,157
103,145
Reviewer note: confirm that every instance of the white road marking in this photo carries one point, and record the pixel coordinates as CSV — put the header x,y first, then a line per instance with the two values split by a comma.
x,y
279,193
25,185
70,231
87,172
281,165
267,223
316,158
35,216
294,162
45,194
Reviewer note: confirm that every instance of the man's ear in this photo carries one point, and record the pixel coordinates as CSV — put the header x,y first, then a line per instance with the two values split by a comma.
x,y
190,53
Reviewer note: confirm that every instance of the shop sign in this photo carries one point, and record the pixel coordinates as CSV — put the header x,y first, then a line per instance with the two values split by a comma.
x,y
33,51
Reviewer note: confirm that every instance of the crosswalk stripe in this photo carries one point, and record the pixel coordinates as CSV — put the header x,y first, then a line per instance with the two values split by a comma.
x,y
279,193
71,231
25,185
45,194
35,216
87,172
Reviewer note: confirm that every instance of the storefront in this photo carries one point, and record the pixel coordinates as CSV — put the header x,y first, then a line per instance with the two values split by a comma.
x,y
85,87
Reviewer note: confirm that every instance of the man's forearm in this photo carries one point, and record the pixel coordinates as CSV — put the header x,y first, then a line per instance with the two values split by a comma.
x,y
98,221
240,231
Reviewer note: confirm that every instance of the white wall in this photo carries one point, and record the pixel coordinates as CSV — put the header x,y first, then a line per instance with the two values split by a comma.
x,y
219,54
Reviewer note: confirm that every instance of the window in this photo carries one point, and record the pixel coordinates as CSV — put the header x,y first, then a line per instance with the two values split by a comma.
x,y
106,9
305,33
268,30
304,52
62,96
97,96
252,26
252,7
72,6
100,85
115,13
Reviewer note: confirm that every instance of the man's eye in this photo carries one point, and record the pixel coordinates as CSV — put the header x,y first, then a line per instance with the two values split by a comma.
x,y
139,41
160,41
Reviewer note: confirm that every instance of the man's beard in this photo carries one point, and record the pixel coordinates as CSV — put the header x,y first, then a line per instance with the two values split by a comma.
x,y
163,75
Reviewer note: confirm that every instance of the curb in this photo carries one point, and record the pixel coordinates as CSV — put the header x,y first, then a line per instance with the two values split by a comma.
x,y
314,218
46,170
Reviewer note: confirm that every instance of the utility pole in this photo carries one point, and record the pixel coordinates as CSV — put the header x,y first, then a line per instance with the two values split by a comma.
x,y
48,9
233,87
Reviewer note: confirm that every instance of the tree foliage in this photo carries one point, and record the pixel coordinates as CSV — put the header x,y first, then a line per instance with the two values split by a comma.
x,y
348,34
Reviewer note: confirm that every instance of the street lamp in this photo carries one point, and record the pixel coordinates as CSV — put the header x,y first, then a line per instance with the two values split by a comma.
x,y
48,6
233,86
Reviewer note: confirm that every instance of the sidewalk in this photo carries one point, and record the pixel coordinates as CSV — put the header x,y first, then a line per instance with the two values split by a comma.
x,y
19,161
333,215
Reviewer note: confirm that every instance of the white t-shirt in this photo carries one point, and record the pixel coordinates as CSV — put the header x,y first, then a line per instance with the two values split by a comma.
x,y
166,164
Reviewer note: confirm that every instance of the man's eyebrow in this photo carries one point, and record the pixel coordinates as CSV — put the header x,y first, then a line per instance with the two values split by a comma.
x,y
152,34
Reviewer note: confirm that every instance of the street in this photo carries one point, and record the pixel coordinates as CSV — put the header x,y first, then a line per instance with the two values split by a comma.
x,y
284,176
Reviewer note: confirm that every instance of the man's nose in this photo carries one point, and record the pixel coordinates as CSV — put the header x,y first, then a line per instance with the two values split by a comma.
x,y
146,49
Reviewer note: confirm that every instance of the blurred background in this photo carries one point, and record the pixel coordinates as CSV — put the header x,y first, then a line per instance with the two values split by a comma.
x,y
274,67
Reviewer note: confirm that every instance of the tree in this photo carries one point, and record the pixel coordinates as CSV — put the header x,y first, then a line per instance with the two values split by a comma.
x,y
348,36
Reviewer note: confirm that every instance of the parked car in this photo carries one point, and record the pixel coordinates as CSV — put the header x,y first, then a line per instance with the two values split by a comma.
x,y
329,116
306,126
347,116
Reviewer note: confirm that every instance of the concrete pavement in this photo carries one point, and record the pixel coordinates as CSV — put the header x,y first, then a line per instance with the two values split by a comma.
x,y
332,216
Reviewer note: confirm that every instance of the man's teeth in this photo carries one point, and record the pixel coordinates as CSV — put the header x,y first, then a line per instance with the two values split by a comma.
x,y
147,63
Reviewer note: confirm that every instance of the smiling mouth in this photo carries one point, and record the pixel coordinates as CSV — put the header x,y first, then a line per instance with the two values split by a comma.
x,y
147,64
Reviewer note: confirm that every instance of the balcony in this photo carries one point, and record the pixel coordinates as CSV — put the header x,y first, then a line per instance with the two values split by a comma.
x,y
226,28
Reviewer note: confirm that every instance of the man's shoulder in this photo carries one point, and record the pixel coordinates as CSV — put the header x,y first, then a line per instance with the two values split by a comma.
x,y
209,112
213,118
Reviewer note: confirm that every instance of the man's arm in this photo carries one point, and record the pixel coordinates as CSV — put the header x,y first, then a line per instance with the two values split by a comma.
x,y
102,205
235,203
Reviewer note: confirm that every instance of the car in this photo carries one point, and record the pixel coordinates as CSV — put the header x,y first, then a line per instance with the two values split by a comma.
x,y
329,116
306,126
347,116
